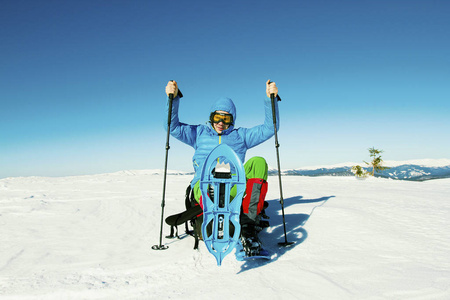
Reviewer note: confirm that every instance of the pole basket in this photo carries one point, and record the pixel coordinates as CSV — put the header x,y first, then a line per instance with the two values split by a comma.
x,y
160,247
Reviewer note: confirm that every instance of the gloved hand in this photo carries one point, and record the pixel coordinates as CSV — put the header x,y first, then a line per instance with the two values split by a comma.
x,y
172,88
271,88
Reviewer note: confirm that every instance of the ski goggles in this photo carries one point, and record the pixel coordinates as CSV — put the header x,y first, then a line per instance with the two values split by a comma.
x,y
220,117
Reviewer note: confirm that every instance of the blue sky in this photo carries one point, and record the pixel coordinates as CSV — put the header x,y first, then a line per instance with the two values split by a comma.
x,y
82,82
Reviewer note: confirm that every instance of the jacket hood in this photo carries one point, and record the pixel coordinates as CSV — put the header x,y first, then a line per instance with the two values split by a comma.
x,y
225,104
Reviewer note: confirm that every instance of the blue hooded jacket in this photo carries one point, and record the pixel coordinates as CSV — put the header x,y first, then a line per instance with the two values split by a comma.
x,y
203,138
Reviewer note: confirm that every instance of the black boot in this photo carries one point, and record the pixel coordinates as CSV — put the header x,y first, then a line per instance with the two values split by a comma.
x,y
250,240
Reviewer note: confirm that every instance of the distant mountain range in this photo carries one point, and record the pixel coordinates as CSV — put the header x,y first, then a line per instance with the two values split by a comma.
x,y
417,170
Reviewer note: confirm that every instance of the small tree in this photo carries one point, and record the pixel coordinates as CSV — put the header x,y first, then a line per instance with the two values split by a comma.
x,y
359,172
376,162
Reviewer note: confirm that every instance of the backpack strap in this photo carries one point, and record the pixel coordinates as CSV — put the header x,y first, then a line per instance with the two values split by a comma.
x,y
173,232
190,200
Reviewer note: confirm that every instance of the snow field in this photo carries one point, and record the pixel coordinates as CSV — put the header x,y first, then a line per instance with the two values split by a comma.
x,y
90,237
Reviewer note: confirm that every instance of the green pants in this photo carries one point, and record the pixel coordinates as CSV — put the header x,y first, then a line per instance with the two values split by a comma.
x,y
255,167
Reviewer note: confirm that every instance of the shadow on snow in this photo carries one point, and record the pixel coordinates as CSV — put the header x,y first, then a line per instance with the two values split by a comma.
x,y
294,229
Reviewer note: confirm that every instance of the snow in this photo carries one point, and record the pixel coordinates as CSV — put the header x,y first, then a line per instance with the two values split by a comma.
x,y
90,237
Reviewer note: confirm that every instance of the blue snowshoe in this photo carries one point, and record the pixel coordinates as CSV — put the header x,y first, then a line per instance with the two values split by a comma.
x,y
221,229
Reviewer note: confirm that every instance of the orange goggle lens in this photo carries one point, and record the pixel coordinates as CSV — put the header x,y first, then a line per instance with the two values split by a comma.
x,y
225,118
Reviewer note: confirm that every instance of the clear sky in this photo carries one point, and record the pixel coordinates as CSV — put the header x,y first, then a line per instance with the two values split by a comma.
x,y
82,82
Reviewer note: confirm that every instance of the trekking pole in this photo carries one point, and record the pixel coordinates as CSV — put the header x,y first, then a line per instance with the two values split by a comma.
x,y
272,98
163,203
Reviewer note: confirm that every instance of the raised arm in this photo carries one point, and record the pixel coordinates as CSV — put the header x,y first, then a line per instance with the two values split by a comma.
x,y
258,134
181,131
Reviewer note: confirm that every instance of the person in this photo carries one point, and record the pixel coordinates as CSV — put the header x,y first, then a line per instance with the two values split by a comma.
x,y
221,129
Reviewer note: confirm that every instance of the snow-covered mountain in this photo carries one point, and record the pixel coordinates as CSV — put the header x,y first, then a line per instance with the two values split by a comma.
x,y
418,170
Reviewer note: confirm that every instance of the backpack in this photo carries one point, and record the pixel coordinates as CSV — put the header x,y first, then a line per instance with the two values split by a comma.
x,y
193,216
